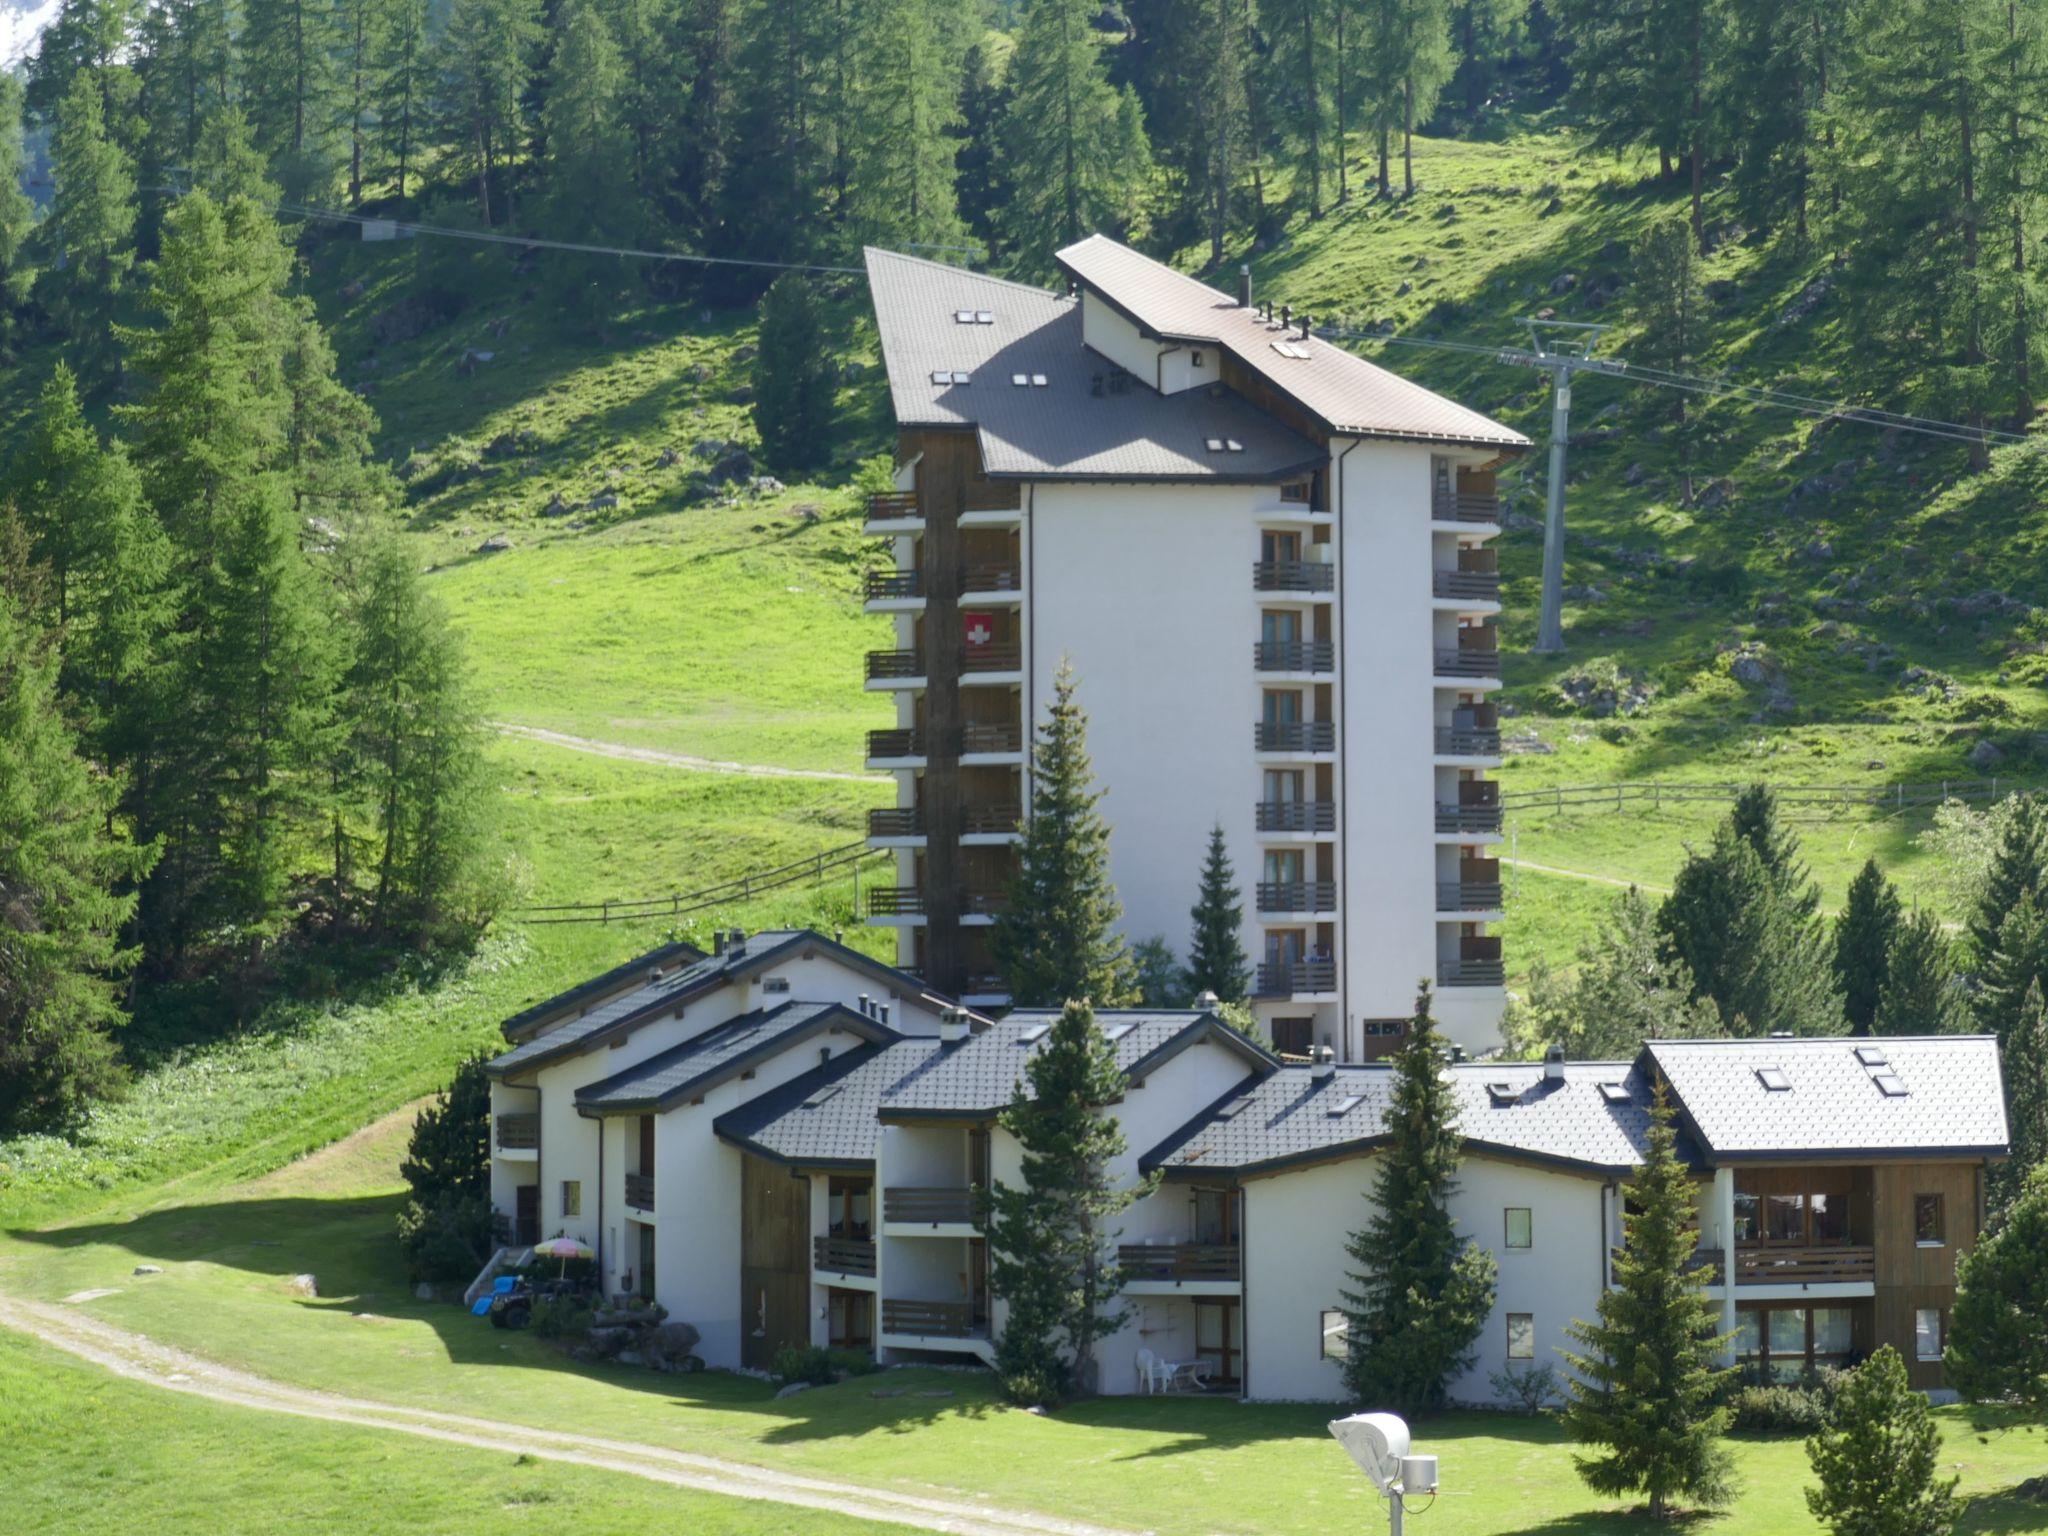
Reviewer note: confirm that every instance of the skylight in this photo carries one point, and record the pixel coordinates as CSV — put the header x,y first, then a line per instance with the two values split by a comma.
x,y
1774,1079
1214,445
963,317
1890,1084
1020,379
1500,1091
984,317
959,376
1616,1093
1234,1108
1035,1033
1291,349
1345,1105
1038,381
1871,1055
1118,1031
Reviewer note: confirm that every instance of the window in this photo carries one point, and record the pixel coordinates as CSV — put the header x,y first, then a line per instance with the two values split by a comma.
x,y
1773,1079
1927,1334
1785,1218
849,1206
1295,491
1336,1335
1521,1336
1833,1336
572,1197
1929,1228
774,983
1830,1217
1787,1342
1521,1230
1294,1036
1747,1218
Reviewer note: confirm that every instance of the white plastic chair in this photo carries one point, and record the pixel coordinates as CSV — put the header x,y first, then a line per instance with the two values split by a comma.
x,y
1154,1374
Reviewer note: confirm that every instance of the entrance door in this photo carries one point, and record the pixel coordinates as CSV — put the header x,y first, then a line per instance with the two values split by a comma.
x,y
1219,1339
646,1271
977,1281
526,1216
850,1319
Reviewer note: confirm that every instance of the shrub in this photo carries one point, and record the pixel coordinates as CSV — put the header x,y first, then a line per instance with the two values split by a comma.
x,y
1768,1407
853,1362
449,1239
560,1317
1527,1391
805,1363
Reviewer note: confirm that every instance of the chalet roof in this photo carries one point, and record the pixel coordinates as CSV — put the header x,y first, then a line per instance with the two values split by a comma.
x,y
827,1118
1946,1097
684,1071
1072,426
1349,395
666,957
1507,1109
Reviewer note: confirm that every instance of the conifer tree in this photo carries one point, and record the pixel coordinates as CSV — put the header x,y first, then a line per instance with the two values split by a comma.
x,y
1877,1460
1866,933
1754,817
793,384
1645,1393
92,226
17,218
590,148
1052,1257
483,60
447,1227
64,865
1407,58
226,162
1920,995
2016,964
1216,959
2017,869
291,53
1418,1294
361,29
1624,990
1667,306
1056,941
903,135
1300,65
399,90
2023,1058
1997,1349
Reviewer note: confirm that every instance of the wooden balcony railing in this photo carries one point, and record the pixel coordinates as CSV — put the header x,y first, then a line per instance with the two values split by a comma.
x,y
1466,741
920,1205
892,506
1294,656
1471,586
1293,576
896,821
1457,661
932,1319
1821,1263
993,496
1448,506
1471,973
992,576
988,820
1002,656
1296,815
1469,895
895,743
518,1132
990,738
889,664
639,1191
1294,735
894,584
844,1255
1297,895
909,901
1179,1261
1468,818
1302,977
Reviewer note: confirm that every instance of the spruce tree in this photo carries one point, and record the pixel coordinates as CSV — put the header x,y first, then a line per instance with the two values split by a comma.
x,y
226,162
903,133
1055,941
2017,868
91,227
1877,1460
590,148
1920,995
64,865
17,219
793,383
2017,964
1623,990
399,89
2023,1058
1418,1293
1754,818
291,53
483,60
1052,1257
447,1228
1216,959
1645,1393
1997,1349
1866,932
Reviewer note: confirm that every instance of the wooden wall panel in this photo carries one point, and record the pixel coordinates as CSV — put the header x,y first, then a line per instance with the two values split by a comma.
x,y
775,1261
1910,1277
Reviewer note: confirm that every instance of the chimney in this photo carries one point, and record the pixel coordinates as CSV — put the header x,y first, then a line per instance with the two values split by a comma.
x,y
952,1024
737,944
1553,1064
718,941
1208,1002
1286,316
867,1008
1244,286
1325,1066
1304,327
882,1012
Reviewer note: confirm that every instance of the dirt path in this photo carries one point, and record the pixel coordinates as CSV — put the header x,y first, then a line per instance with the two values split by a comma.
x,y
1580,874
677,759
137,1358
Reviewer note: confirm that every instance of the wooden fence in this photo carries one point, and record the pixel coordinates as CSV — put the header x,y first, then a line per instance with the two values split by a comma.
x,y
847,857
1615,797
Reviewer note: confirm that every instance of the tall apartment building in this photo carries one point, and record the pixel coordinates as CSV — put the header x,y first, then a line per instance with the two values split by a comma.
x,y
1270,565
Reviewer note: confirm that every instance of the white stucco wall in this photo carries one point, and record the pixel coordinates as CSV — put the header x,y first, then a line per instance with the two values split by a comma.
x,y
1110,334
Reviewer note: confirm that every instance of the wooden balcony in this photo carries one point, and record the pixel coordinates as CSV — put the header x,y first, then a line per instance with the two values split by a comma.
x,y
990,739
894,743
1471,973
1294,656
1297,895
990,820
1469,896
1447,506
883,585
892,506
519,1132
896,821
1293,576
1299,979
1179,1261
844,1255
997,656
894,664
1466,661
1820,1264
1294,736
1466,741
992,576
933,1319
895,901
1468,818
639,1191
918,1206
1296,815
1468,586
993,496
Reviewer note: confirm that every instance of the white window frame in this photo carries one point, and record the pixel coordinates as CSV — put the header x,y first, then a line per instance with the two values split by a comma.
x,y
1508,1228
1528,1318
1336,1334
572,1197
1923,1316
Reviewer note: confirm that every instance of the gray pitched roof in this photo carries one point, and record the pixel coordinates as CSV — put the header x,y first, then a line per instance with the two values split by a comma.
x,y
976,1077
1953,1104
684,1071
664,958
1350,395
1064,428
1292,1117
804,1125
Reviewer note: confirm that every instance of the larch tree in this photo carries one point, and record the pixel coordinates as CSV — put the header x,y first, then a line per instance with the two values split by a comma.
x,y
292,54
590,150
1877,1461
483,60
1216,958
399,89
1920,994
226,162
1666,305
1866,933
17,219
1624,990
793,382
1055,940
903,135
91,227
1300,63
1645,1389
1417,1294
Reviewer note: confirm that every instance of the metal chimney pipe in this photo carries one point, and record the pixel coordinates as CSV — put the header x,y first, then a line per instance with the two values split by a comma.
x,y
1244,286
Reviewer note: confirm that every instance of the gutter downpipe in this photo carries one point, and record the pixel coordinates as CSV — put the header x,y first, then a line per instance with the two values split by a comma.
x,y
1343,767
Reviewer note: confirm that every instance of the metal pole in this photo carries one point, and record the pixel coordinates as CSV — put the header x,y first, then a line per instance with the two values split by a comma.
x,y
1550,628
1394,1511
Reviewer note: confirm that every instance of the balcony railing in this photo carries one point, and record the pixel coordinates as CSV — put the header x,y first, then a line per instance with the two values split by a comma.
x,y
1821,1263
1003,496
1005,657
1179,1261
896,821
892,506
1281,979
1296,816
1472,586
844,1255
1447,506
909,901
1466,741
1468,818
1471,973
932,1319
990,738
896,743
890,664
988,820
1469,896
1294,656
1294,735
639,1191
1293,576
1457,661
894,584
518,1132
1297,895
992,576
916,1205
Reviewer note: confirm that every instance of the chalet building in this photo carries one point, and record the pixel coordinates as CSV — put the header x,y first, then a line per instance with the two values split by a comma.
x,y
782,1142
1270,564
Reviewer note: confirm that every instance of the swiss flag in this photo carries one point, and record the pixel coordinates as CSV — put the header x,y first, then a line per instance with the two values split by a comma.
x,y
979,628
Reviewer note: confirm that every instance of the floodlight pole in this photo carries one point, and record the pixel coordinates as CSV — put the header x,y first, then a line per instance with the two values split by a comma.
x,y
1394,1510
1561,348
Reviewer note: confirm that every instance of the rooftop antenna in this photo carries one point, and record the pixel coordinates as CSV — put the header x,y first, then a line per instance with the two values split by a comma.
x,y
1560,348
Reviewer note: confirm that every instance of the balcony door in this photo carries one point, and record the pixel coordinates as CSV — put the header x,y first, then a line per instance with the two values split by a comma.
x,y
1282,707
1283,786
1283,866
850,1206
1215,1217
1276,548
1219,1338
1280,627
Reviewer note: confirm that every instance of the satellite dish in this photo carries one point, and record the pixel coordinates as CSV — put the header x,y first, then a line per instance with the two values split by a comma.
x,y
1377,1442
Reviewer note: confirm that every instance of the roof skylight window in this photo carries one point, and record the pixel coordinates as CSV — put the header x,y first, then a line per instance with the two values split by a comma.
x,y
1774,1079
1020,379
1214,444
963,317
1233,445
1038,381
1871,1055
1118,1031
1291,349
1035,1033
1345,1105
1503,1092
1616,1093
1890,1084
959,376
984,317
